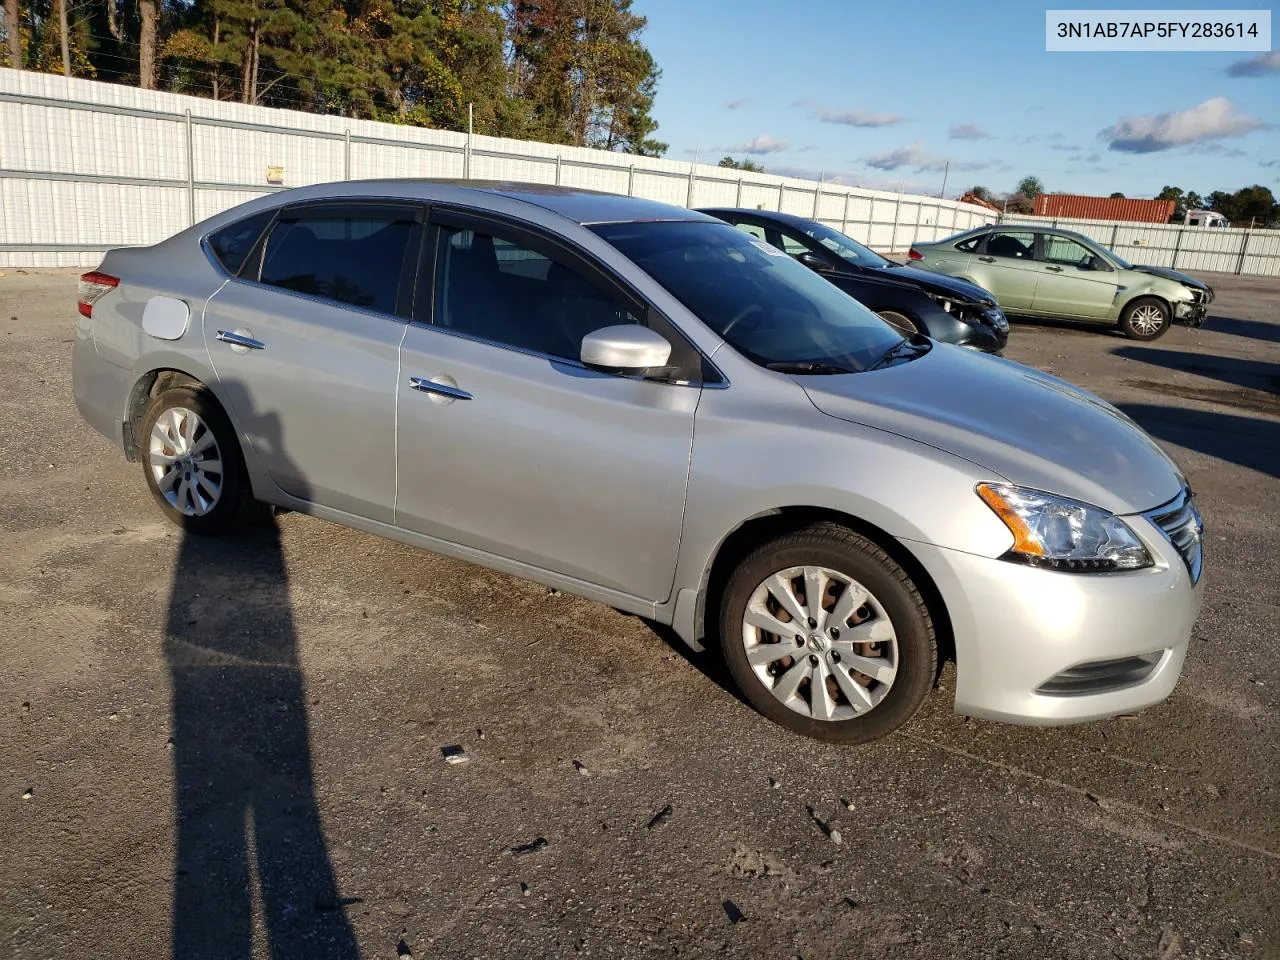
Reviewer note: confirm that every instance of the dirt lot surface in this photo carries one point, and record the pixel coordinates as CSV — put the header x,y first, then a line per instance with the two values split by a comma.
x,y
233,749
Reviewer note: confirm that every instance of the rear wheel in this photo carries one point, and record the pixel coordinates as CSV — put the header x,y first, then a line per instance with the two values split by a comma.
x,y
900,322
826,635
191,460
1145,319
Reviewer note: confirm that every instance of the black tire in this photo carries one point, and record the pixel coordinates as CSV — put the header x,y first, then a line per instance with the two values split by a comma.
x,y
900,321
839,549
234,505
1131,319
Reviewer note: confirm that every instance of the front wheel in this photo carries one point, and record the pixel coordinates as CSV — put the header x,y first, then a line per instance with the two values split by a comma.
x,y
827,635
1145,319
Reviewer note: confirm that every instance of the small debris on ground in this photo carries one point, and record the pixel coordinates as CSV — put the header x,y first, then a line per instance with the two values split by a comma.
x,y
454,753
538,843
524,889
26,706
581,768
836,836
774,784
28,793
848,804
733,912
661,817
402,950
552,592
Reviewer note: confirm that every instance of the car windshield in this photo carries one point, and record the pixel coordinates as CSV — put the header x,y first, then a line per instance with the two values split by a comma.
x,y
767,306
1106,253
846,248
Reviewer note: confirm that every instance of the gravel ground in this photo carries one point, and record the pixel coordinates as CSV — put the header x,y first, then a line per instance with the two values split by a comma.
x,y
233,749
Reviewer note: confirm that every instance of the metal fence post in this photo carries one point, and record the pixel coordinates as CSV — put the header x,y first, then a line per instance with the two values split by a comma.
x,y
844,223
1177,245
693,172
1115,231
631,180
346,155
781,188
737,201
1244,250
191,172
893,237
558,162
817,197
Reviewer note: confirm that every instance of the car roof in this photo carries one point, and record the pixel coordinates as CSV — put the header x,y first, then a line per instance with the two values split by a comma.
x,y
577,204
1037,228
791,218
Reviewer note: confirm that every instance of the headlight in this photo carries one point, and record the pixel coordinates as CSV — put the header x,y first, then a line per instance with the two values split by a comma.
x,y
1063,534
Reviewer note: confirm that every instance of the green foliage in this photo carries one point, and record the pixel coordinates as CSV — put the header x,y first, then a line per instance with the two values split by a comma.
x,y
749,165
1030,187
564,71
1117,195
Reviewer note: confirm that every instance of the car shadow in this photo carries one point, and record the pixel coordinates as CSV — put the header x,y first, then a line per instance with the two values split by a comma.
x,y
1250,374
249,836
1252,329
1251,442
1053,323
709,662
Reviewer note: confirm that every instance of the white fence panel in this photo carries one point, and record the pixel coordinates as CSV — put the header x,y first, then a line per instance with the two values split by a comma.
x,y
86,165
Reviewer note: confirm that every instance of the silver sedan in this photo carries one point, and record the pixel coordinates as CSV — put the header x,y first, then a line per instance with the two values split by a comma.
x,y
644,406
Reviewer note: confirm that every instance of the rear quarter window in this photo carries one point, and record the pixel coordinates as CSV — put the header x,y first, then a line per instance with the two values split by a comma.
x,y
970,245
231,244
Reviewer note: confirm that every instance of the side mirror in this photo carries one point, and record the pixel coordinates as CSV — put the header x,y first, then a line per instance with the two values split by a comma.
x,y
812,261
626,348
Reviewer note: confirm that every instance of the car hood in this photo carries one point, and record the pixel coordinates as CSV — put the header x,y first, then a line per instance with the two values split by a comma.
x,y
1027,427
938,283
1183,278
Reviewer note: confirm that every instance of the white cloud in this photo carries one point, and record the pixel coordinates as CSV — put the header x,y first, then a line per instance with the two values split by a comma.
x,y
860,118
849,179
1214,119
1259,66
967,131
913,156
760,145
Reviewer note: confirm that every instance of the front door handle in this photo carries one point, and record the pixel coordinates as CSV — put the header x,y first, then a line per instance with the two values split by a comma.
x,y
1054,269
240,340
987,259
445,390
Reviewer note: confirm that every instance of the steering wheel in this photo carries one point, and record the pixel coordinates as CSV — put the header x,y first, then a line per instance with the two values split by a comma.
x,y
741,315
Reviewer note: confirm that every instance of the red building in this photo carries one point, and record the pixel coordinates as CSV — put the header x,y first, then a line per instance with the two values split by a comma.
x,y
1072,206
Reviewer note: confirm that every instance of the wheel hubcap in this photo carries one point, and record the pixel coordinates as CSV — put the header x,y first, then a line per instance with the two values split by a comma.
x,y
185,462
820,642
1148,319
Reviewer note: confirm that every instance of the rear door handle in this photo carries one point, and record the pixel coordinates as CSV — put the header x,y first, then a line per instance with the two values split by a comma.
x,y
1054,269
240,340
987,259
449,390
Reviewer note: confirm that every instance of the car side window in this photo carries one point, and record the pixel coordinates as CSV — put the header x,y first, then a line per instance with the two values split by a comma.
x,y
354,256
502,291
970,245
790,245
754,230
1064,250
1013,244
231,245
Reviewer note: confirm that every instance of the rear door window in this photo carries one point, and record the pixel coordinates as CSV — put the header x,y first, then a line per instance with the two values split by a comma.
x,y
353,254
1012,244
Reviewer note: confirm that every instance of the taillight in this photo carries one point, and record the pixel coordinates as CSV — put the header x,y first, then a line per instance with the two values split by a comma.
x,y
914,254
93,286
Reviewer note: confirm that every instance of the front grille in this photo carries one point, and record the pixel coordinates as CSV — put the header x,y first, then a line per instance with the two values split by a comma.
x,y
1180,521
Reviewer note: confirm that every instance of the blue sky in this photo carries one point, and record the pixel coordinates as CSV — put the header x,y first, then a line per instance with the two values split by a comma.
x,y
883,94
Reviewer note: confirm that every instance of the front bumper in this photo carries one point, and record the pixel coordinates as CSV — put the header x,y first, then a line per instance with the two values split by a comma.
x,y
1191,312
1038,646
989,330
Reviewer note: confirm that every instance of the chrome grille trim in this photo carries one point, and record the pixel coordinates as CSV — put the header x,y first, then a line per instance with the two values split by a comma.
x,y
1179,520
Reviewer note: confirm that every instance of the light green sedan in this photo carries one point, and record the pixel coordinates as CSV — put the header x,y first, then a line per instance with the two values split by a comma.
x,y
1046,272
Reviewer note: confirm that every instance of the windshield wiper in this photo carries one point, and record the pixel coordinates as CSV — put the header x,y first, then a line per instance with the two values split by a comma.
x,y
807,366
902,350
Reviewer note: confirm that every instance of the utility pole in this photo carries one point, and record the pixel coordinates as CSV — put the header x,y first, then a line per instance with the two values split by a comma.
x,y
946,170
